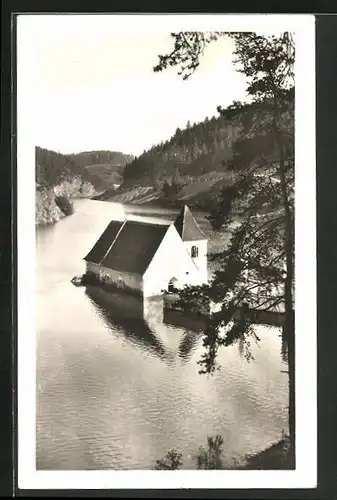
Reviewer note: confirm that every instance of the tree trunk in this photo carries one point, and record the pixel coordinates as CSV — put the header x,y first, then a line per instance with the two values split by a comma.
x,y
290,333
289,326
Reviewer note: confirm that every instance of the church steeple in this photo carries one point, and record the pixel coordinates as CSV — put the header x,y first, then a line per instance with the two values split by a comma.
x,y
187,226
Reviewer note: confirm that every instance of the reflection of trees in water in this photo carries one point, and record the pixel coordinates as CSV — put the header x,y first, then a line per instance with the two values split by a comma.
x,y
245,346
193,330
284,348
139,321
187,344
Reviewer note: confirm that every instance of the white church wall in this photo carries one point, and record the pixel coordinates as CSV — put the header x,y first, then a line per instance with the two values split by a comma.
x,y
170,261
201,259
122,280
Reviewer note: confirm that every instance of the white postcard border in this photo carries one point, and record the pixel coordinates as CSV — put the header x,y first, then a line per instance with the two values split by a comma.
x,y
305,475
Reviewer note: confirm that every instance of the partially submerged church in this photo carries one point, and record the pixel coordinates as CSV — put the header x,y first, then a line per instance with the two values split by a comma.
x,y
147,258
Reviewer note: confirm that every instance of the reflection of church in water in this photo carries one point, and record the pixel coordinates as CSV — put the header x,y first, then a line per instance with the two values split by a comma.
x,y
148,261
147,323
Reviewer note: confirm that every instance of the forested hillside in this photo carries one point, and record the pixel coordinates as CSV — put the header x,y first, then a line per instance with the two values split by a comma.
x,y
53,168
198,149
193,165
186,167
114,158
105,167
62,177
94,167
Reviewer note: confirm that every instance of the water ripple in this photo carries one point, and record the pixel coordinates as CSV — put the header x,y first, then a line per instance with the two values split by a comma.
x,y
117,392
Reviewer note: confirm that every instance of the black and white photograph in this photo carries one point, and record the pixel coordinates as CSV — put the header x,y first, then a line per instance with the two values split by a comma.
x,y
166,262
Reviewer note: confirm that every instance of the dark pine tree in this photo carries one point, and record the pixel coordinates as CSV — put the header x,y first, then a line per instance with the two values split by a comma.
x,y
261,250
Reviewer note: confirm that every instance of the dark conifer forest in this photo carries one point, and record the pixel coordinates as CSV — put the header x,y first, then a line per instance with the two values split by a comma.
x,y
197,162
52,168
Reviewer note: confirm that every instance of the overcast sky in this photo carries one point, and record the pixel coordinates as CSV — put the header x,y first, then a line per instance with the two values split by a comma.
x,y
96,89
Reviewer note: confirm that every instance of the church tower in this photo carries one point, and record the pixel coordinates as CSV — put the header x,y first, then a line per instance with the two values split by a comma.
x,y
194,240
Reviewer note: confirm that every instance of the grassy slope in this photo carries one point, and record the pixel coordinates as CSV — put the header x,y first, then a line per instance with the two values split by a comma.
x,y
107,173
194,190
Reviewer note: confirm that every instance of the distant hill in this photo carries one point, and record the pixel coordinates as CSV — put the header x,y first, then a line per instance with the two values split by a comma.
x,y
101,168
114,158
106,167
59,178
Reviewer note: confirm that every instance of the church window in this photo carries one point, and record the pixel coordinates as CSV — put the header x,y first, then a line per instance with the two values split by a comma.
x,y
171,285
194,251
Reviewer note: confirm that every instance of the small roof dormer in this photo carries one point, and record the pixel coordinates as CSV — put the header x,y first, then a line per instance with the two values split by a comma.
x,y
187,226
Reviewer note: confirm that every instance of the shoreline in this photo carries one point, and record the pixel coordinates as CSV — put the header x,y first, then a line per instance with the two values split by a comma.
x,y
275,457
50,207
157,202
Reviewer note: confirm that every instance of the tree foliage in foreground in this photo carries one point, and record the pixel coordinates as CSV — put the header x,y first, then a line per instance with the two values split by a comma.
x,y
209,457
257,268
171,461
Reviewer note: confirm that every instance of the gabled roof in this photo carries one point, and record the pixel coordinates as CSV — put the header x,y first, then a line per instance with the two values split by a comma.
x,y
104,242
187,226
131,248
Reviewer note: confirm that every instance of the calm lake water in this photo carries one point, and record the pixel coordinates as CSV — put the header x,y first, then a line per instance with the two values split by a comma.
x,y
117,391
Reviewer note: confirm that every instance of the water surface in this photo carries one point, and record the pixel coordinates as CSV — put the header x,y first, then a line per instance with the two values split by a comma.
x,y
116,390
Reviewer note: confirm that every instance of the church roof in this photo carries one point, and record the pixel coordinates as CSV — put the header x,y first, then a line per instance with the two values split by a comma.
x,y
104,242
129,246
187,226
